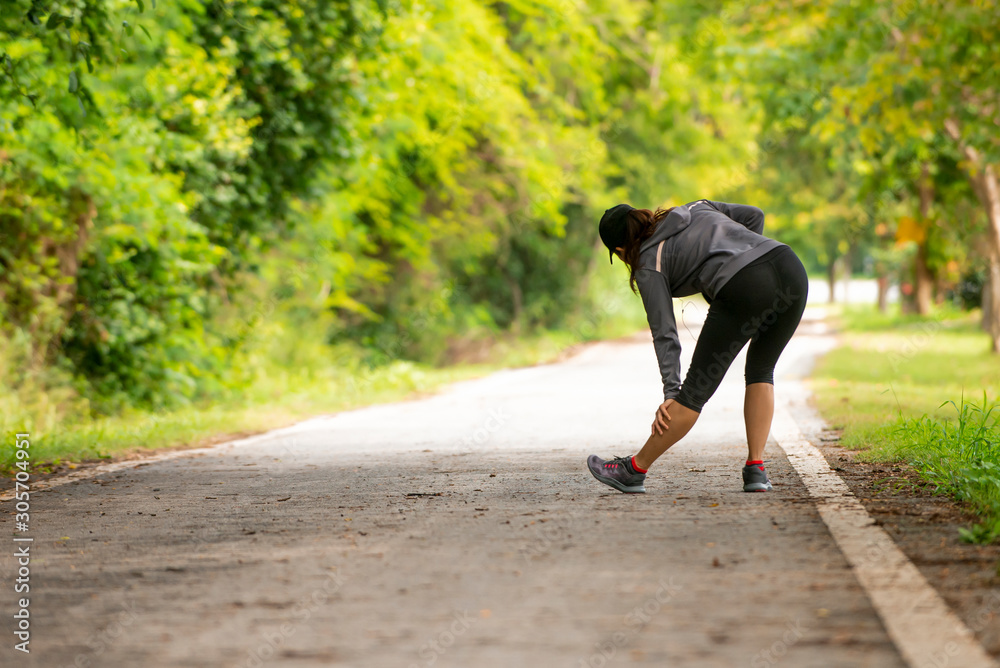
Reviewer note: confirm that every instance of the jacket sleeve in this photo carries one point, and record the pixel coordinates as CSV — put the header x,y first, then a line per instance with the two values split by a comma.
x,y
749,216
659,307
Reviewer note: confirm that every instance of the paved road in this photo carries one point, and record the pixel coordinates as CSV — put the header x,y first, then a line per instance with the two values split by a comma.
x,y
459,530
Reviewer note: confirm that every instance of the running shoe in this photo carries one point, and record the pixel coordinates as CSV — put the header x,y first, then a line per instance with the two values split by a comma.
x,y
755,479
617,473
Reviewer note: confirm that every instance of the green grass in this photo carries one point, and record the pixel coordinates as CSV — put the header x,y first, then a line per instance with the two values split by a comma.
x,y
279,401
961,455
919,390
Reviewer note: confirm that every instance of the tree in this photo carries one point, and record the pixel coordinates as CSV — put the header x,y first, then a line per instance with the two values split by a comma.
x,y
929,73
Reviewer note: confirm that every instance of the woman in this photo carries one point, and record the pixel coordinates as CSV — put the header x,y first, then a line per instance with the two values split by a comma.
x,y
757,290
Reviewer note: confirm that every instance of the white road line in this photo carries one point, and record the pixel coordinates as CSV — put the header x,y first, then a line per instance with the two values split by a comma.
x,y
87,473
922,626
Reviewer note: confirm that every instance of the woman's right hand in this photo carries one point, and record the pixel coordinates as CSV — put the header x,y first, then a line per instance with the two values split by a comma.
x,y
661,418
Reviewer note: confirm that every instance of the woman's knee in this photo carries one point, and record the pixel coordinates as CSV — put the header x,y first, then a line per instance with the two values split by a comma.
x,y
693,401
759,376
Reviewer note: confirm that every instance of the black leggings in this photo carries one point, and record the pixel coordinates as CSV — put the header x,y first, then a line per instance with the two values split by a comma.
x,y
763,304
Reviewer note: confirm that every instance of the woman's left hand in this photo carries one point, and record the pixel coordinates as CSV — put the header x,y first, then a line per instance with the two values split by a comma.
x,y
661,418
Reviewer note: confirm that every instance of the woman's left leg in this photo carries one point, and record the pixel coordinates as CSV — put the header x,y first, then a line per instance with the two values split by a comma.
x,y
776,326
758,411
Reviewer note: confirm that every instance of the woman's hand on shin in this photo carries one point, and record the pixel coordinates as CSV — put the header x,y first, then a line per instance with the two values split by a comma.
x,y
662,418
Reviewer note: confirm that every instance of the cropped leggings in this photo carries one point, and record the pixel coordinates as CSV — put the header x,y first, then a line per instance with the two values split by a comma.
x,y
763,304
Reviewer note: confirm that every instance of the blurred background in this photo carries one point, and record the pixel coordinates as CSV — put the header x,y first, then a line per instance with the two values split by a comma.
x,y
220,216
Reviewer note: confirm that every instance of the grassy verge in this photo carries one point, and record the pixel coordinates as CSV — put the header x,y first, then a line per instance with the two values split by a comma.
x,y
295,376
920,390
279,398
290,399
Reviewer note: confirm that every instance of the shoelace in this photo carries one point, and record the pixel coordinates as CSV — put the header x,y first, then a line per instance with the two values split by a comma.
x,y
617,462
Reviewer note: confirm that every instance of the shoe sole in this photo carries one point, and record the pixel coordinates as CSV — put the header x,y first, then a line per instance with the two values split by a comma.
x,y
757,487
611,482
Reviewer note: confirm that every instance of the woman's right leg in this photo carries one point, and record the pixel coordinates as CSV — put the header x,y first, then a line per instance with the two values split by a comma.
x,y
682,419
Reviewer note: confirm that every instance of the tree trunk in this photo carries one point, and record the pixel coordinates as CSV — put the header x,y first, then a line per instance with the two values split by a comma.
x,y
517,306
883,293
984,181
924,276
848,272
925,282
992,191
991,302
940,289
831,278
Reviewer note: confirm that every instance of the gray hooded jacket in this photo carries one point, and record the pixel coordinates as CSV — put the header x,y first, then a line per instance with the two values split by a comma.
x,y
698,247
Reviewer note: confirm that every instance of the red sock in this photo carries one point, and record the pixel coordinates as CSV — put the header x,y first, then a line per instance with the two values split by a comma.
x,y
756,462
636,468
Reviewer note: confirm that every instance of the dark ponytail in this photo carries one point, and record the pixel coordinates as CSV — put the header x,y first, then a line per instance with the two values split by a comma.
x,y
641,225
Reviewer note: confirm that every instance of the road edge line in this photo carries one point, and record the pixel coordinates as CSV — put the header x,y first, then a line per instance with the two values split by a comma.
x,y
920,623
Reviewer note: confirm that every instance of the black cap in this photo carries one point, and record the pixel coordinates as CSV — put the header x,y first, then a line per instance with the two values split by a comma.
x,y
614,228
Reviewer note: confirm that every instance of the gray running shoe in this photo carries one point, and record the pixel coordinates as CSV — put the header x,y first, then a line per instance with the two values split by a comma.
x,y
617,473
755,479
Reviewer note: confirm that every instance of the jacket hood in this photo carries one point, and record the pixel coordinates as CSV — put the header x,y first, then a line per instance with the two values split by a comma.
x,y
676,221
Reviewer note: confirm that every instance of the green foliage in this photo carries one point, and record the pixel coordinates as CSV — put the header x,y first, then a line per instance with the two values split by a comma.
x,y
465,190
290,73
863,95
401,179
120,226
187,186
